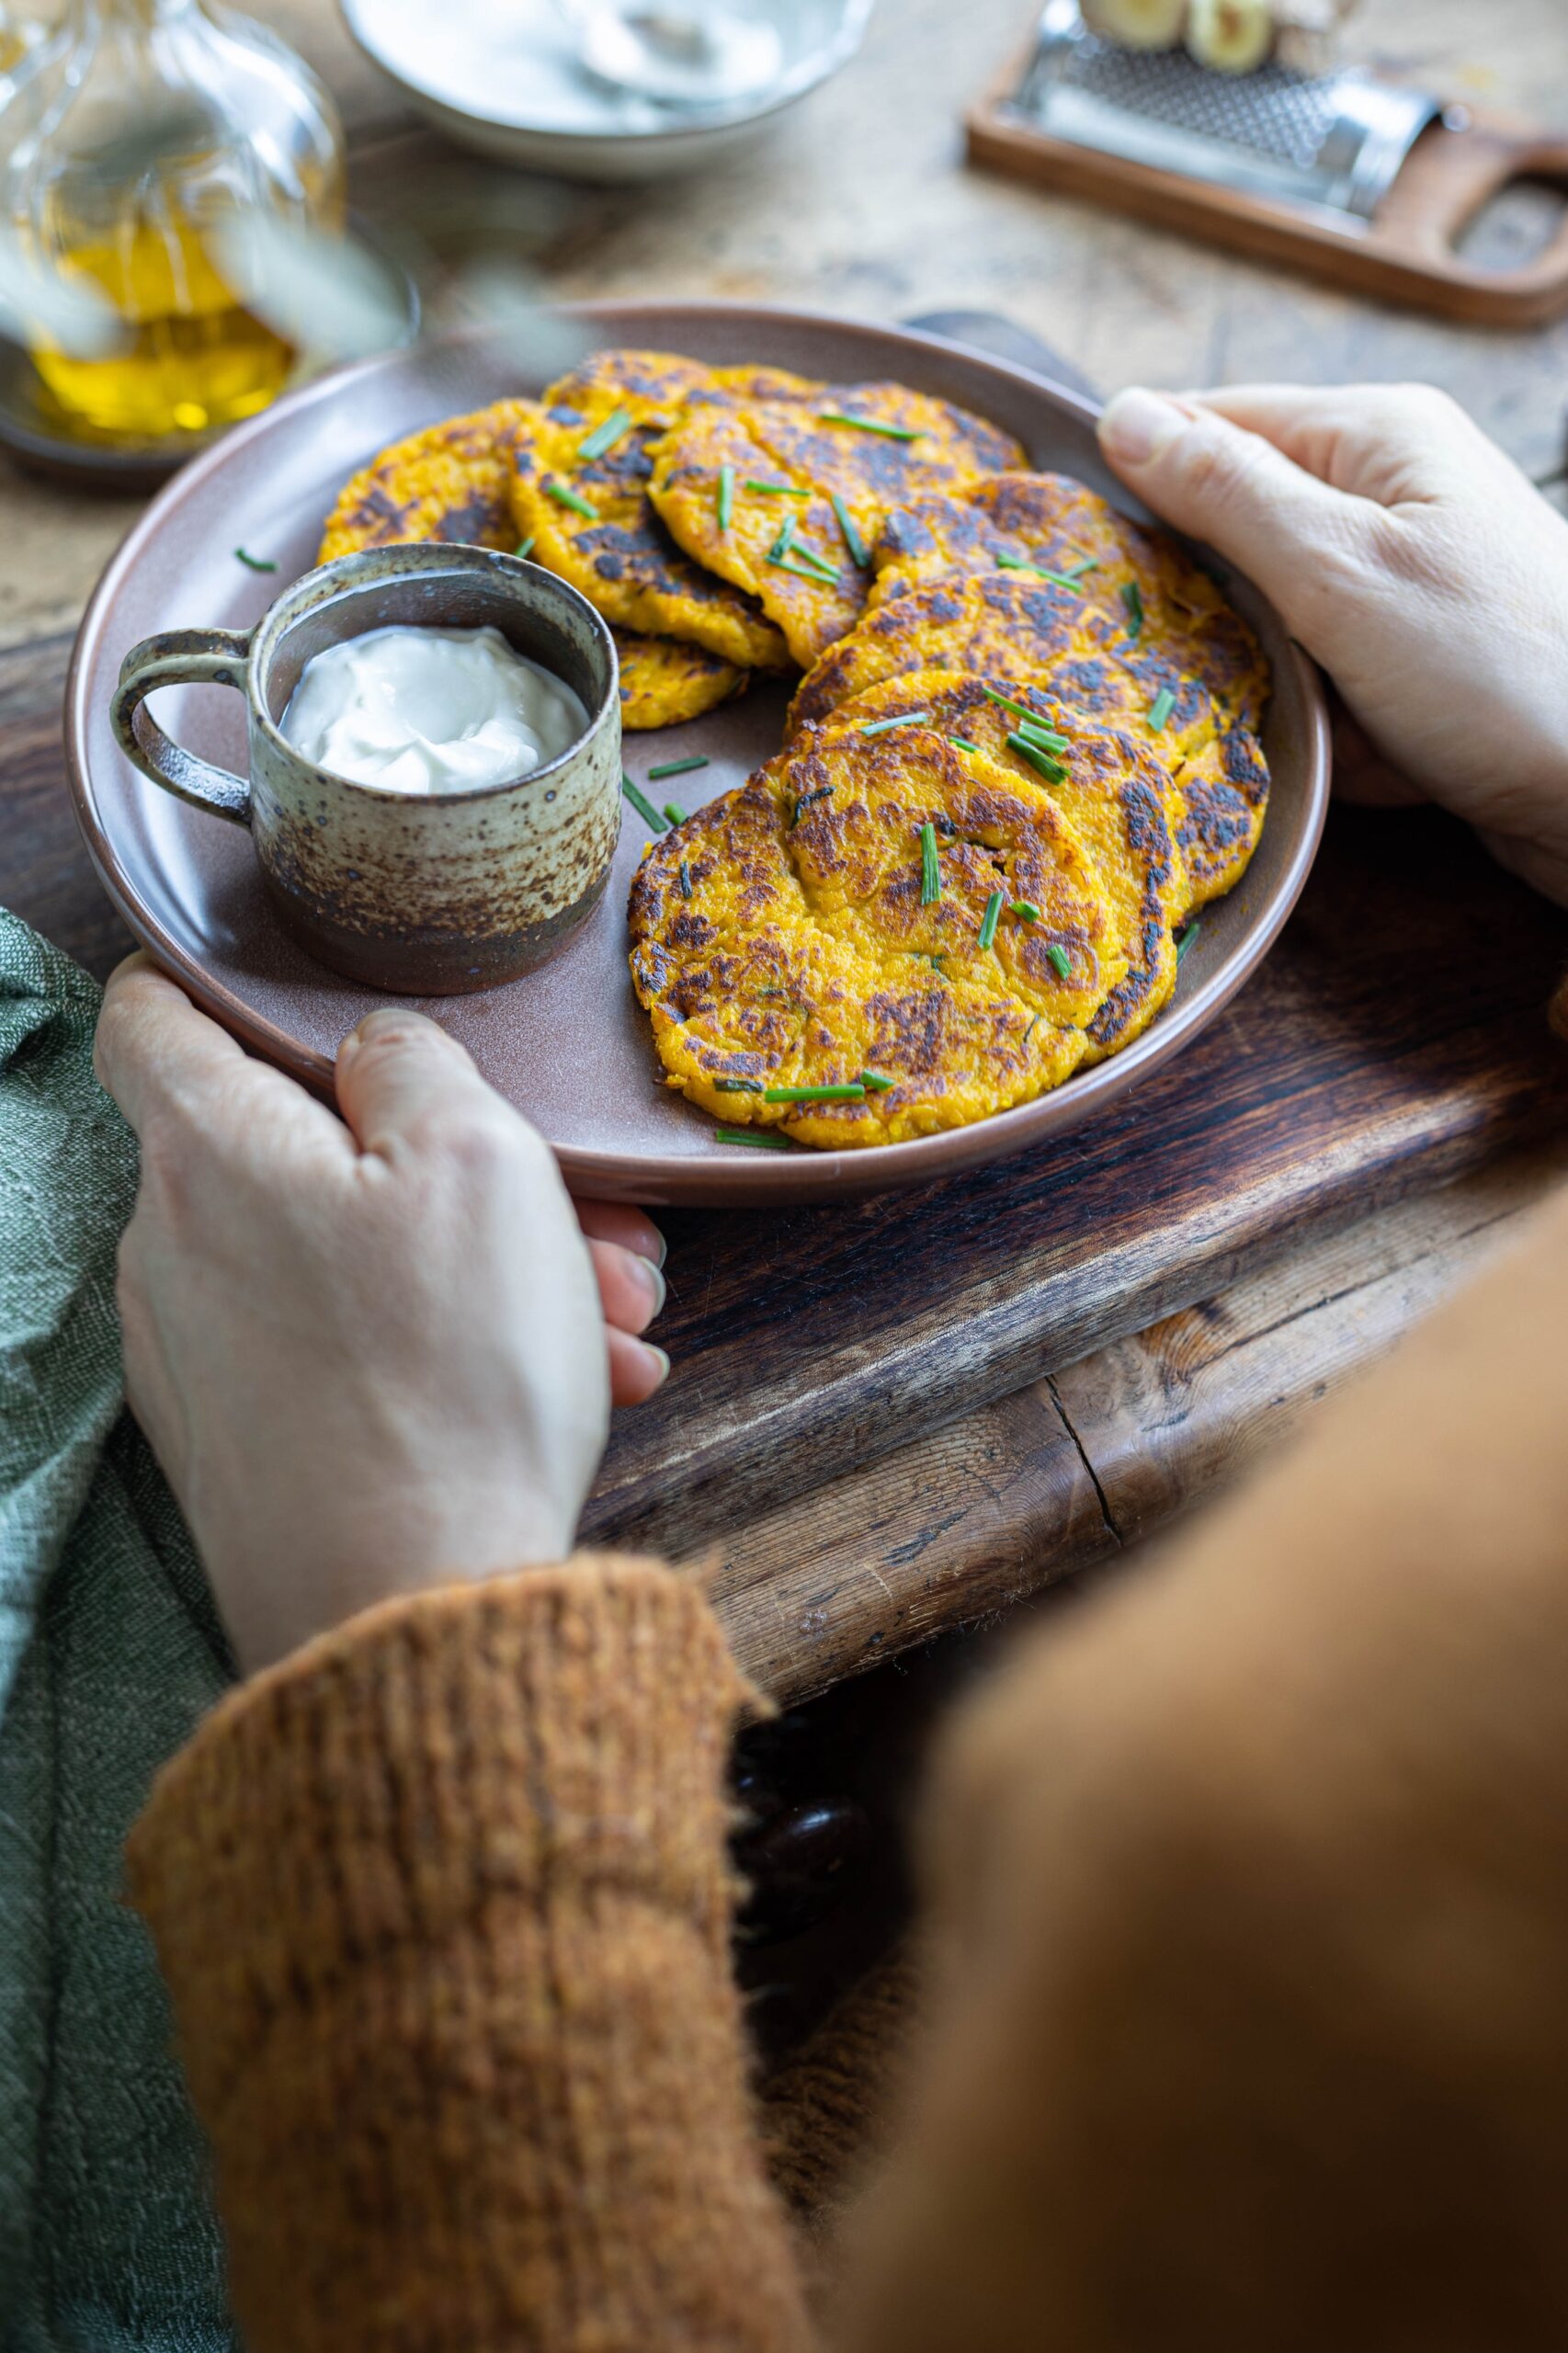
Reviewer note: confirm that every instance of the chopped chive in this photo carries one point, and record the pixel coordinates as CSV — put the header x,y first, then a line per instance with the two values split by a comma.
x,y
684,880
802,572
726,495
877,1082
1024,909
1043,738
1187,936
869,425
931,872
829,572
564,496
525,547
642,805
1042,762
786,545
963,742
988,920
1161,709
605,436
775,489
1060,959
674,813
677,767
881,726
859,552
256,563
730,1084
1028,1033
1040,570
851,1092
822,793
747,1135
1022,709
1076,570
1132,597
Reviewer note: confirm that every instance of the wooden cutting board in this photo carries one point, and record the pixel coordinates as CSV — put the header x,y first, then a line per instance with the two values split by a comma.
x,y
1395,1038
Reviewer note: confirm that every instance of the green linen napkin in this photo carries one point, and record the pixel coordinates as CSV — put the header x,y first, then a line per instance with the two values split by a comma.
x,y
109,1652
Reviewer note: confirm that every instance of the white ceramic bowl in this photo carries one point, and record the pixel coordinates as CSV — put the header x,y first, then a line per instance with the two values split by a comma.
x,y
501,76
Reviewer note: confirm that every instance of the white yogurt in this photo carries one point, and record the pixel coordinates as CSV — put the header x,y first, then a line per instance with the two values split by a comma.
x,y
430,711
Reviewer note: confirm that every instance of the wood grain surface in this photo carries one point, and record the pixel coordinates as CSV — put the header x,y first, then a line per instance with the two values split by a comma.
x,y
1071,1474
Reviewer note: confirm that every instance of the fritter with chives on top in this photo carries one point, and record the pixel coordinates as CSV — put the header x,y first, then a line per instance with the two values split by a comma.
x,y
878,936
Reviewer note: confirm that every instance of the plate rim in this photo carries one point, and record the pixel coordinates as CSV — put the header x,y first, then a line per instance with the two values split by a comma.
x,y
766,1176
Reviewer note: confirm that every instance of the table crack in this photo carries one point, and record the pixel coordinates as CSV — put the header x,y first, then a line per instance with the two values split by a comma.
x,y
1112,1530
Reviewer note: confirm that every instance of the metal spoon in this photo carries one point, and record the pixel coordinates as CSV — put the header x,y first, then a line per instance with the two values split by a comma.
x,y
691,55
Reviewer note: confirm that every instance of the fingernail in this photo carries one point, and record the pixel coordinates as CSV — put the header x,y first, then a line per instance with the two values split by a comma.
x,y
385,1017
1138,425
657,1284
664,1361
664,1245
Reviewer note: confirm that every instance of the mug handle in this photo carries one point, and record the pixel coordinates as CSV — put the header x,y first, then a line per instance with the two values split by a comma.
x,y
181,658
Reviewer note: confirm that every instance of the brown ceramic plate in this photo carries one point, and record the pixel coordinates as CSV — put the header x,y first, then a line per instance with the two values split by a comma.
x,y
570,1045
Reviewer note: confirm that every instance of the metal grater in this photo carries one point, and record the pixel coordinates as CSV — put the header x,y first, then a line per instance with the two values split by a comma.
x,y
1329,143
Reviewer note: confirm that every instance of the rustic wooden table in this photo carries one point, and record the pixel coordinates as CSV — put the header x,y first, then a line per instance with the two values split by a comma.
x,y
1029,1428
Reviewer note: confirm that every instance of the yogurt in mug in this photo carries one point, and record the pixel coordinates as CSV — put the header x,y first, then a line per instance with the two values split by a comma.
x,y
430,711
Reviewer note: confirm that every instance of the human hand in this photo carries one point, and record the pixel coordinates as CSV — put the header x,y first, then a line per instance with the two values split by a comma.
x,y
1412,560
369,1352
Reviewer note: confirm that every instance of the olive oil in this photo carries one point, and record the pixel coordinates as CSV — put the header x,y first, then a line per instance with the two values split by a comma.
x,y
192,358
134,142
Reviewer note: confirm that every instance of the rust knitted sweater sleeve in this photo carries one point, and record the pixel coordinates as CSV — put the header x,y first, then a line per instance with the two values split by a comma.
x,y
443,1906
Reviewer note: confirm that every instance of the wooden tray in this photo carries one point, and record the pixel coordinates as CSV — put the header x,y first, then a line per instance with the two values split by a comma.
x,y
1405,253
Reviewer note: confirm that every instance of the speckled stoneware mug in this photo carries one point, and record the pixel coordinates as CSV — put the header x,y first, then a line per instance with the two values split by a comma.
x,y
427,896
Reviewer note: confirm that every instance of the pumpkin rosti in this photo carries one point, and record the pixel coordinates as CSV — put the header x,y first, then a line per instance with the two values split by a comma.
x,y
785,493
879,914
1012,623
452,481
1111,788
448,482
579,492
1147,586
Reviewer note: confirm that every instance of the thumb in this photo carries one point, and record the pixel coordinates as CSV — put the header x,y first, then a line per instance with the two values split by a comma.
x,y
397,1073
1218,483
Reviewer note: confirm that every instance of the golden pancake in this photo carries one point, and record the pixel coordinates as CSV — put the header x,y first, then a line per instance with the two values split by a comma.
x,y
579,493
446,483
1148,588
789,934
1015,624
1115,793
794,519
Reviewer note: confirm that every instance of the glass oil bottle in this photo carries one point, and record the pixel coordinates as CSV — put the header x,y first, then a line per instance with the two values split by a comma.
x,y
132,141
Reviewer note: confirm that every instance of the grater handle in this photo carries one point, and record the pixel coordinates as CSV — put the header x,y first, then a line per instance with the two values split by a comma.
x,y
1451,175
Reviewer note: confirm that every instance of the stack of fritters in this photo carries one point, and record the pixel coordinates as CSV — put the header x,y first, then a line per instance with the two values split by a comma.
x,y
1025,748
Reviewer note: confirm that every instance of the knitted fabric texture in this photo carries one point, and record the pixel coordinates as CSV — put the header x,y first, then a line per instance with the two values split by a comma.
x,y
443,1907
110,1653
